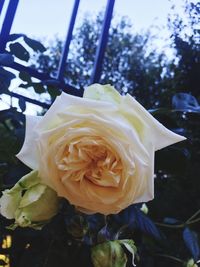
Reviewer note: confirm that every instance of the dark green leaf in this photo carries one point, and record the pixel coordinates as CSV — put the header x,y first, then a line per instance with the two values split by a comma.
x,y
35,45
171,220
14,36
185,101
146,225
135,218
19,51
25,76
25,85
53,91
191,241
38,87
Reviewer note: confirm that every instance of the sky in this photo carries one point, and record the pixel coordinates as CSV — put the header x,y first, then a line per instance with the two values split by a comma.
x,y
45,19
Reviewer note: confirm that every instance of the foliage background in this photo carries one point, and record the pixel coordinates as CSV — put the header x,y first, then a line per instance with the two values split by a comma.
x,y
169,234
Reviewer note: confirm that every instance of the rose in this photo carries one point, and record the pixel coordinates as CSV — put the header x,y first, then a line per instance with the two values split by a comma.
x,y
96,151
29,202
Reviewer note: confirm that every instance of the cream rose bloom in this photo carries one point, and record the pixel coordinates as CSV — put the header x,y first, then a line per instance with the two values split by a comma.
x,y
96,151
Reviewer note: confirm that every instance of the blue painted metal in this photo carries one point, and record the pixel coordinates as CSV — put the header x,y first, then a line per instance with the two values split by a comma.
x,y
59,80
34,73
32,101
7,24
96,74
44,76
65,51
1,5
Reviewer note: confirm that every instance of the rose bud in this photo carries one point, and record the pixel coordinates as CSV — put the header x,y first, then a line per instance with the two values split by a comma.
x,y
191,263
111,253
30,202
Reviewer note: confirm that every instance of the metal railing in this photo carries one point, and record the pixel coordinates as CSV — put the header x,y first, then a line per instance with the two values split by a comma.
x,y
97,69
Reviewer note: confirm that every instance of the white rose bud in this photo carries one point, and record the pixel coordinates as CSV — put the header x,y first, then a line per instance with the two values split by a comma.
x,y
108,254
111,253
191,263
29,202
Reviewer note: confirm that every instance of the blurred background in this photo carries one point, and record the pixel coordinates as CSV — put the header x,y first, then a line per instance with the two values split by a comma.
x,y
152,49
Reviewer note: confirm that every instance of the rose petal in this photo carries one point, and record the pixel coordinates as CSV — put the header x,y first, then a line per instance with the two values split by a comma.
x,y
63,102
28,153
149,179
158,134
103,93
9,203
161,135
32,195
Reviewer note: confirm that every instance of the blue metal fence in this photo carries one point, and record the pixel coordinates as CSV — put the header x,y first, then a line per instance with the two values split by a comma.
x,y
96,73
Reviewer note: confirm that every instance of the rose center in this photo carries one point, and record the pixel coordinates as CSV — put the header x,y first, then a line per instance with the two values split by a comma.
x,y
92,159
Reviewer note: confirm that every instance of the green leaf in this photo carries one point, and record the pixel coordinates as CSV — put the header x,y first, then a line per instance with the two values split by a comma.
x,y
108,254
185,101
169,220
38,87
9,203
53,91
29,180
32,195
15,36
25,85
25,76
130,246
35,45
77,226
191,241
135,218
19,51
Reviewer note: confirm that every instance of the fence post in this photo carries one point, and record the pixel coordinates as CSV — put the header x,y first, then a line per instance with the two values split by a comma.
x,y
7,24
65,51
1,5
96,74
